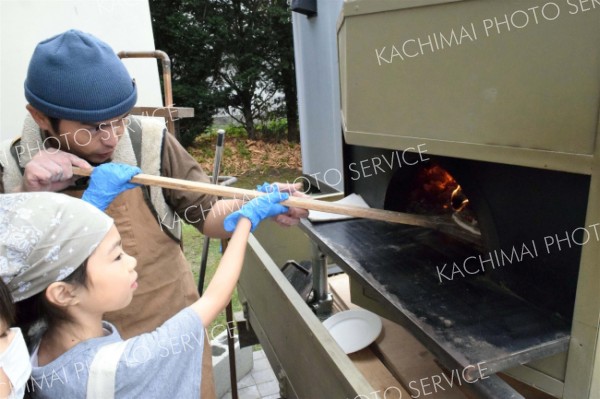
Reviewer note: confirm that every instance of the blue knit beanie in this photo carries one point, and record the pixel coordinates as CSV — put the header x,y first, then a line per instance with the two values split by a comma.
x,y
76,76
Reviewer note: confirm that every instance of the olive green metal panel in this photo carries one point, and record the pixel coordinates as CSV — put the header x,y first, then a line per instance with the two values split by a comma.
x,y
583,369
471,77
581,373
538,380
353,7
546,374
283,243
314,364
596,379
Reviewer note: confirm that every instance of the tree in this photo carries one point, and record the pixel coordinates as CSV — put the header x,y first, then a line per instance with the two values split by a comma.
x,y
229,54
244,89
282,70
180,30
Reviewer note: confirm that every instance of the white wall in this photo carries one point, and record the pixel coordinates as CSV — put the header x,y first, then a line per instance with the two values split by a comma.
x,y
124,24
317,79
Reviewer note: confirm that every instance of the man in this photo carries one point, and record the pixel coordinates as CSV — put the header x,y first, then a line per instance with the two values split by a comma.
x,y
79,96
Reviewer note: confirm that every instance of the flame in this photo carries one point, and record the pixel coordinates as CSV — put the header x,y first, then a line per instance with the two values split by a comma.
x,y
458,197
437,191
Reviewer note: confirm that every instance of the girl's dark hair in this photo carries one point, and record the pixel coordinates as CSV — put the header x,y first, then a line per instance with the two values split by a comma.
x,y
38,308
7,308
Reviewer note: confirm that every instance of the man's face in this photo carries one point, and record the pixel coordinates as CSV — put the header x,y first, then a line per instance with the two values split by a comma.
x,y
93,141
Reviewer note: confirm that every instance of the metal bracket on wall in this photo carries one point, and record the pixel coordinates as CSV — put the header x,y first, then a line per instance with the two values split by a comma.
x,y
306,7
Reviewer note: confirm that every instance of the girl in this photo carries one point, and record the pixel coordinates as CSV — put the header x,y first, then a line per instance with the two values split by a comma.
x,y
14,359
73,270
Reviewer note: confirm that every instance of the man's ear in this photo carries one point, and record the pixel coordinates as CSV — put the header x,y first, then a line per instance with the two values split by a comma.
x,y
62,294
40,118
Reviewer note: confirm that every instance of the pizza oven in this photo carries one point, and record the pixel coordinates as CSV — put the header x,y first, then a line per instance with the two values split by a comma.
x,y
483,115
492,121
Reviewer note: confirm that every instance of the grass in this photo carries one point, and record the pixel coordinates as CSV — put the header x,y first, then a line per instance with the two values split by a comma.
x,y
193,240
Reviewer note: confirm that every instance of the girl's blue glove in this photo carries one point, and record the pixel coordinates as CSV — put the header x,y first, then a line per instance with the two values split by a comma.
x,y
267,188
107,181
258,209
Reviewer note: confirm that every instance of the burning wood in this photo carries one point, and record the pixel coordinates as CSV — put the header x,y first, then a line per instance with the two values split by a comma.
x,y
435,191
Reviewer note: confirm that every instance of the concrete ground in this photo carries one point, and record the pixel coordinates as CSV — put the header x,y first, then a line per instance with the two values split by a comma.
x,y
260,382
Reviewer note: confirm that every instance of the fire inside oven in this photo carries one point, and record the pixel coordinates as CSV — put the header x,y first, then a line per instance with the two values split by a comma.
x,y
434,191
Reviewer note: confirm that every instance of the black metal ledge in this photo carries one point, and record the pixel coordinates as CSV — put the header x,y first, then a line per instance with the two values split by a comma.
x,y
465,322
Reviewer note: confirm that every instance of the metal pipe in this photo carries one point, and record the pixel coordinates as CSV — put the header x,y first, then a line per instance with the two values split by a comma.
x,y
231,347
321,301
166,71
319,274
215,180
203,262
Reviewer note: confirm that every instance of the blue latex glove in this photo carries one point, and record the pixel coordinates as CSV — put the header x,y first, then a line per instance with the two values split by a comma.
x,y
258,209
107,181
267,188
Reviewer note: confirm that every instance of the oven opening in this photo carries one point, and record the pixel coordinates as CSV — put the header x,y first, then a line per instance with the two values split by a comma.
x,y
503,212
435,190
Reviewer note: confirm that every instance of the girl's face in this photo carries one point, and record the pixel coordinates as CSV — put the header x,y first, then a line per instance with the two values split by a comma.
x,y
111,276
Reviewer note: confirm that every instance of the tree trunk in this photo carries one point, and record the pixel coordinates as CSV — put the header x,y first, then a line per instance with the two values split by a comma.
x,y
291,103
248,119
291,110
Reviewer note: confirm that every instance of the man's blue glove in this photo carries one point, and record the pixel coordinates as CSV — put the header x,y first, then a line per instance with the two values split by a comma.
x,y
107,181
258,209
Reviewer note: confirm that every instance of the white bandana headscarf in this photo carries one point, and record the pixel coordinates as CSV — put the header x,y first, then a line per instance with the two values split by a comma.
x,y
44,237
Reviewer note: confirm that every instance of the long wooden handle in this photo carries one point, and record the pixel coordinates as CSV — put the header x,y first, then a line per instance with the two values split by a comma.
x,y
304,203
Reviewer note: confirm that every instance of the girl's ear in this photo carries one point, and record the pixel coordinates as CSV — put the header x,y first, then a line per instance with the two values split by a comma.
x,y
62,294
42,120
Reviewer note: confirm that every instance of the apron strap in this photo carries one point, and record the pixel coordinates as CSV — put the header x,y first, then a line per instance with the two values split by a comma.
x,y
103,370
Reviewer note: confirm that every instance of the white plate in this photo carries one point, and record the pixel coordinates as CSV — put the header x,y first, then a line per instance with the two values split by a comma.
x,y
354,329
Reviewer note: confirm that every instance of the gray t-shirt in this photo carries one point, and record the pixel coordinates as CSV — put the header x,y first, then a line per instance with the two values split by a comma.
x,y
165,363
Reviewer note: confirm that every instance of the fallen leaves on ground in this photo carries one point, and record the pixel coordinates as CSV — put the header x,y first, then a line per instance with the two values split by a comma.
x,y
243,156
